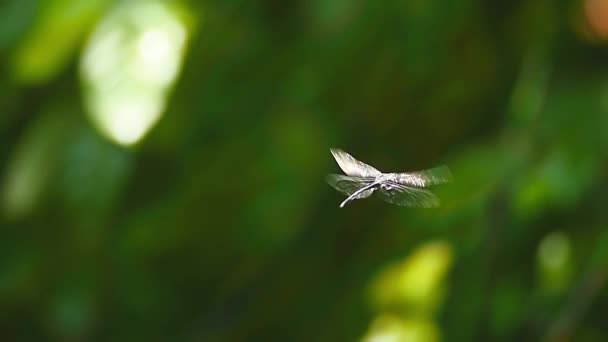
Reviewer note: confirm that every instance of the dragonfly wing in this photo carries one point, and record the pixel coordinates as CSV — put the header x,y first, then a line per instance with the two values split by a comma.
x,y
424,178
348,185
407,196
352,166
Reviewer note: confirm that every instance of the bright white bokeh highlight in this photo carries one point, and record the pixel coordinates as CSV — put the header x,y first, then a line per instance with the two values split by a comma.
x,y
129,67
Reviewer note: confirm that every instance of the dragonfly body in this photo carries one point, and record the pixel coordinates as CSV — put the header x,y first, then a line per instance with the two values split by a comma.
x,y
405,188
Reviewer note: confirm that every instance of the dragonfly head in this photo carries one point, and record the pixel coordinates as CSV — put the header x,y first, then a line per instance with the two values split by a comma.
x,y
386,186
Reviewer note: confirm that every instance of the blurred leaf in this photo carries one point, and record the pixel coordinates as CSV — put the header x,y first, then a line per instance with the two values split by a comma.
x,y
34,164
508,307
554,263
72,309
15,17
88,158
559,181
54,38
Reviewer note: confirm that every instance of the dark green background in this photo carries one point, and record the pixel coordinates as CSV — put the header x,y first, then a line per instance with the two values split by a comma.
x,y
218,225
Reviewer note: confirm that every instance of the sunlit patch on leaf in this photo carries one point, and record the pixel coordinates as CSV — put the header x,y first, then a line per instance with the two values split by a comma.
x,y
416,281
388,328
130,65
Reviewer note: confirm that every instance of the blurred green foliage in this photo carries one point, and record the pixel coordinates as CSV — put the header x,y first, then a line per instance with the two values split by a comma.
x,y
163,164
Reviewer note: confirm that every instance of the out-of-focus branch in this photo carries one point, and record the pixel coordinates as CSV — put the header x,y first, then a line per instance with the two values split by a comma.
x,y
581,298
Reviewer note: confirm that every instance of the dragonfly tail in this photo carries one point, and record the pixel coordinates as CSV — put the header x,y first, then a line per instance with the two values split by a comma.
x,y
345,202
357,193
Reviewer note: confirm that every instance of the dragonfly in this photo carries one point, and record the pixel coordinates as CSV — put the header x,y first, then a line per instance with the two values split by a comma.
x,y
404,189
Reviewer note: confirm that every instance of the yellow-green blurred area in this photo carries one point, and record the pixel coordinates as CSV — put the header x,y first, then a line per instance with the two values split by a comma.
x,y
163,163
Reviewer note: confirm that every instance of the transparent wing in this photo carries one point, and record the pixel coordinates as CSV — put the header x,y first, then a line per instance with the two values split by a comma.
x,y
409,196
352,166
348,185
424,178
